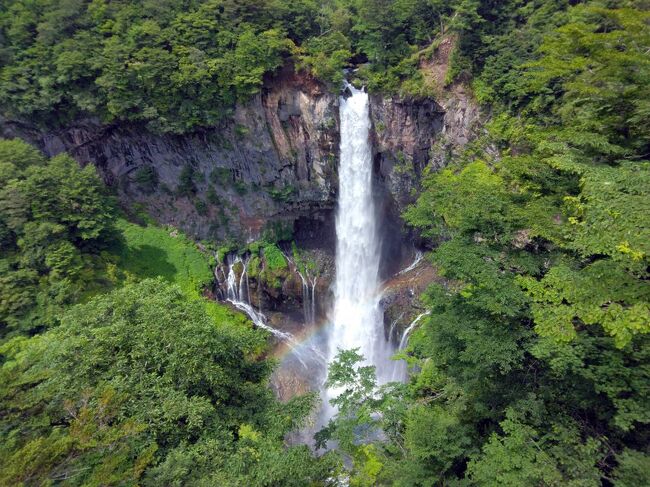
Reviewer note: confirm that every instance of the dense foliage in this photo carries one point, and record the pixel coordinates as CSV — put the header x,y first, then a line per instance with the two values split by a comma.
x,y
54,221
140,387
148,384
533,365
183,64
174,65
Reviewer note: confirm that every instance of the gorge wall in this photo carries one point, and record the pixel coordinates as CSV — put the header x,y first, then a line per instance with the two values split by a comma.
x,y
271,168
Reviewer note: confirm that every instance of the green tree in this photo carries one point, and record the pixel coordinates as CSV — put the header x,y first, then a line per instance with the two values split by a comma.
x,y
143,377
525,456
55,218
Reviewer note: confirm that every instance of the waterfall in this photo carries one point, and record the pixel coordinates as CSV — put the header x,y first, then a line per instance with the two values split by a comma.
x,y
313,300
410,328
238,294
232,290
391,331
418,258
357,319
308,297
399,369
308,290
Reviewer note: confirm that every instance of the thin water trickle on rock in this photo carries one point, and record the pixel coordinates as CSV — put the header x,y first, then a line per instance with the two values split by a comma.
x,y
238,294
400,369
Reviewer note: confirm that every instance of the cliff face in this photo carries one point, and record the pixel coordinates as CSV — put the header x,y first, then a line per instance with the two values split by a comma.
x,y
410,135
272,168
274,162
413,134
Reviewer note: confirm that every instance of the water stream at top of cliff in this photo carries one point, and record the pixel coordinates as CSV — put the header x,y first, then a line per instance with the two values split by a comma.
x,y
357,318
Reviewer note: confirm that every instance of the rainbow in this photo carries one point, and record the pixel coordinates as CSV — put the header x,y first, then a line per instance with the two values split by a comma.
x,y
305,341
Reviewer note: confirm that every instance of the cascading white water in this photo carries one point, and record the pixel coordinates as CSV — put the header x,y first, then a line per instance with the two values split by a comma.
x,y
357,320
238,294
308,291
400,371
416,261
308,297
393,325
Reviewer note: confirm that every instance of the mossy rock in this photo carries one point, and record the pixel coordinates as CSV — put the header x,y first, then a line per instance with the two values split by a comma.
x,y
274,258
254,267
273,278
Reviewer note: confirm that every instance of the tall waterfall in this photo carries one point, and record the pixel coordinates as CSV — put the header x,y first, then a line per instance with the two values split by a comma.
x,y
357,320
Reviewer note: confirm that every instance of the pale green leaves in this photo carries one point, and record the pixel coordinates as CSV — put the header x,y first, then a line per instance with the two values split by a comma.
x,y
611,215
602,293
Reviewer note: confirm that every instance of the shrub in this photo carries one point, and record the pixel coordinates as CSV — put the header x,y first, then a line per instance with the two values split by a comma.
x,y
147,178
186,186
273,257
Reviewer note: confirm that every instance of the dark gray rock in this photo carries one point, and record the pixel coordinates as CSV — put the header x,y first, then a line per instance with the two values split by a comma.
x,y
272,166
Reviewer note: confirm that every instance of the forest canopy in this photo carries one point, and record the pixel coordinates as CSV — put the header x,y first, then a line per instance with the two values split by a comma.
x,y
532,366
178,65
114,370
531,363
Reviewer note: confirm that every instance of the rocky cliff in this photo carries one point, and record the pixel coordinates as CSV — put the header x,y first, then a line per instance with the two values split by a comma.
x,y
272,168
274,162
411,134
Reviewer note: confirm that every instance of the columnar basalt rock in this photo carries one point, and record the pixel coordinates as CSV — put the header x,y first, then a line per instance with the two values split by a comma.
x,y
411,134
272,167
273,161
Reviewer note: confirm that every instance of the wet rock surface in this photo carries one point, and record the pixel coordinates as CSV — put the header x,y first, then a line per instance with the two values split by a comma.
x,y
400,300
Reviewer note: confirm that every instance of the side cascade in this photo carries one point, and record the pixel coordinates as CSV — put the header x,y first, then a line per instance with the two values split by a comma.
x,y
400,370
238,294
308,291
308,296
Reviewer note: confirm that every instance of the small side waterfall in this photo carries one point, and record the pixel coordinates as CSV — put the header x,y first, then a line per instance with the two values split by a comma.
x,y
357,318
400,370
393,326
308,290
308,296
407,332
416,261
238,294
